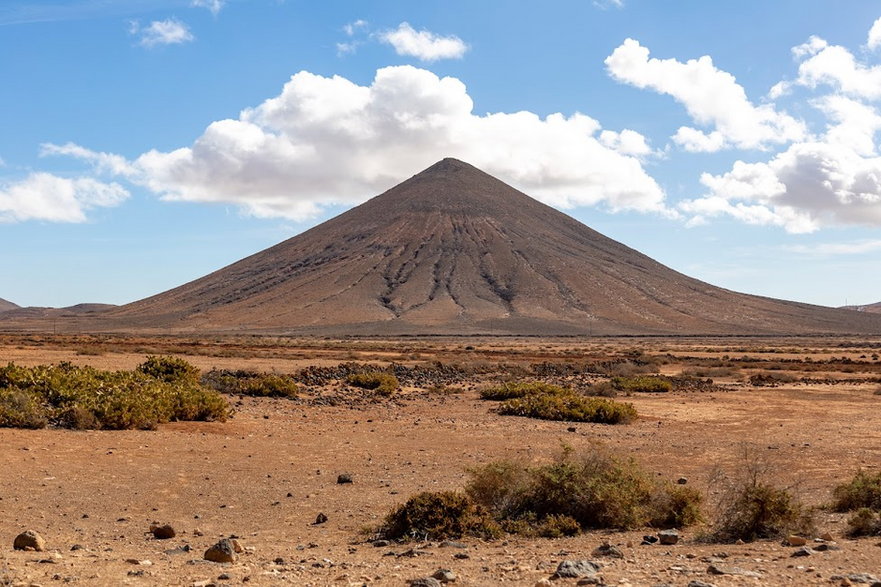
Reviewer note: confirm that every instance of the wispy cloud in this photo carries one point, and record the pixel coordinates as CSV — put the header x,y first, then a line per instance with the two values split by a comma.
x,y
215,6
424,45
162,32
860,247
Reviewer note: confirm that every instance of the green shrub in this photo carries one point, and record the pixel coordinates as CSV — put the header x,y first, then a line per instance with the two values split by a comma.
x,y
864,522
641,384
759,510
169,369
252,383
378,381
863,491
569,407
511,390
439,516
597,490
68,396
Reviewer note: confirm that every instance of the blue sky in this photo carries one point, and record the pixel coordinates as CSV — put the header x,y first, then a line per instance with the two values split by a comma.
x,y
145,143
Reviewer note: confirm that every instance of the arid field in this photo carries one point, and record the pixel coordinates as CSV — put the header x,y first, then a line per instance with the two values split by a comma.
x,y
799,413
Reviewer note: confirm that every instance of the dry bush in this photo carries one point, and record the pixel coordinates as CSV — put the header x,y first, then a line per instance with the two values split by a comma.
x,y
569,407
752,507
252,383
438,516
377,381
862,491
770,379
518,389
595,490
864,522
641,384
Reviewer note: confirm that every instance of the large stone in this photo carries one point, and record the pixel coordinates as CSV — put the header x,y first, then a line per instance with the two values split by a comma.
x,y
794,540
29,540
609,550
575,569
162,532
668,537
425,582
222,552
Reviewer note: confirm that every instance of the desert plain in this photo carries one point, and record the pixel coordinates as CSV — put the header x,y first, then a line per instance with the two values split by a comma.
x,y
267,473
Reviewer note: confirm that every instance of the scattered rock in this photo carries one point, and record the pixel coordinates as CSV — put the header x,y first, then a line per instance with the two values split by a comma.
x,y
575,569
381,543
648,539
222,552
461,555
452,544
163,532
827,536
682,481
143,563
542,583
595,580
319,519
609,550
445,576
803,551
826,546
794,540
720,570
862,578
697,583
668,537
179,550
425,582
344,478
29,540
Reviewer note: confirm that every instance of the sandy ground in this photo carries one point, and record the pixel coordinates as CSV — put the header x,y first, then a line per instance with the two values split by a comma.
x,y
266,474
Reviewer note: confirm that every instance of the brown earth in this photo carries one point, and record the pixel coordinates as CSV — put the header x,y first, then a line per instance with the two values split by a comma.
x,y
267,473
453,250
5,305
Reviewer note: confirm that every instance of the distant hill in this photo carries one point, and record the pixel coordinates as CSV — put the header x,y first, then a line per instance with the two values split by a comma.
x,y
453,250
4,305
871,308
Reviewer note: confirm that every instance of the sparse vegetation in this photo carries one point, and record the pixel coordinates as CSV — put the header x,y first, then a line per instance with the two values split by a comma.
x,y
169,369
641,384
770,379
378,381
519,389
69,396
252,383
562,498
569,407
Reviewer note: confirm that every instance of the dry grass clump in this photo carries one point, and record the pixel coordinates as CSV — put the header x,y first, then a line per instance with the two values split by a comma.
x,y
561,498
252,383
378,381
768,379
69,396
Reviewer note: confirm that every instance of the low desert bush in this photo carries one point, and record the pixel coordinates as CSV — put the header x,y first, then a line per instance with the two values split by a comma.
x,y
569,407
601,389
252,383
438,516
595,490
641,384
169,369
68,396
770,379
863,491
377,381
864,522
517,389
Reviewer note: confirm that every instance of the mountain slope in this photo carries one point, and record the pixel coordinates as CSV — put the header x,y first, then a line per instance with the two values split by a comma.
x,y
5,306
453,250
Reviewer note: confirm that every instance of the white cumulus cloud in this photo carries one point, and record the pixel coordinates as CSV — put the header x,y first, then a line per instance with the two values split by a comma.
x,y
162,32
712,97
43,196
328,140
835,66
874,40
424,45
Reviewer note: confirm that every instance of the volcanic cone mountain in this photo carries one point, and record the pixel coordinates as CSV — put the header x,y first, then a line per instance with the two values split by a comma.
x,y
453,250
4,305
